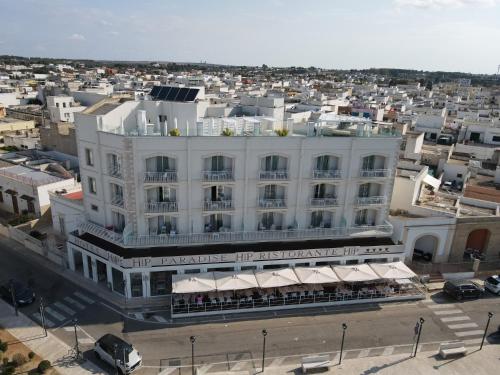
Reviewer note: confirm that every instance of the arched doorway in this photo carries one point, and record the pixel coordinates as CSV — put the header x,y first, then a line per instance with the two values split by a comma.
x,y
425,248
477,242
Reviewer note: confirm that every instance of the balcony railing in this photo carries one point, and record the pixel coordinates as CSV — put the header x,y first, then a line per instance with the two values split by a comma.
x,y
222,205
272,203
214,176
323,174
160,177
115,170
370,201
273,175
374,173
117,201
134,240
158,207
324,202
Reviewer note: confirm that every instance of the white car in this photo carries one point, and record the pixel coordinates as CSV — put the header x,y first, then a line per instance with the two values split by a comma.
x,y
492,283
117,353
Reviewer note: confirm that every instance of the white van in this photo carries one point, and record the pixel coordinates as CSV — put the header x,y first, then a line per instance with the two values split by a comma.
x,y
117,353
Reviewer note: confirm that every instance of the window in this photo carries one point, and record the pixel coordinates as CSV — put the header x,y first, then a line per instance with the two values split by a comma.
x,y
92,185
1,197
89,157
93,207
192,271
496,138
459,175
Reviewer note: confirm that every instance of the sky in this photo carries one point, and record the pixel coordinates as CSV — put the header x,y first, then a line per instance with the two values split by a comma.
x,y
450,35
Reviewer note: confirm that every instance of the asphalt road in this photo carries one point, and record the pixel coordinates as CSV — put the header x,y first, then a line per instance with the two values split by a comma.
x,y
289,333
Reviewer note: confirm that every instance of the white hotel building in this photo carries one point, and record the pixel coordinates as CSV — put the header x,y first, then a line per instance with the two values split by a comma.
x,y
158,205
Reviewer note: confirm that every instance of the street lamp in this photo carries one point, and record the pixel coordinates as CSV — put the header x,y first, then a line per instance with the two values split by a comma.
x,y
264,334
344,328
13,296
42,316
115,355
77,348
490,315
420,324
192,339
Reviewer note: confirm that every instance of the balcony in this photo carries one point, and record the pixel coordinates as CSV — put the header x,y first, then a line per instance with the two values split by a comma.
x,y
223,205
278,175
272,203
160,177
324,202
324,174
160,207
370,201
115,170
216,176
118,201
374,173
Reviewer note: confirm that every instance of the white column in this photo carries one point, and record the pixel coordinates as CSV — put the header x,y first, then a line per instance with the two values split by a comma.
x,y
146,285
71,259
94,269
128,287
109,275
85,265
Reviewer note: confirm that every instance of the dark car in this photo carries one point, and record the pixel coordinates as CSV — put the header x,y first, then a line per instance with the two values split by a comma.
x,y
23,294
460,289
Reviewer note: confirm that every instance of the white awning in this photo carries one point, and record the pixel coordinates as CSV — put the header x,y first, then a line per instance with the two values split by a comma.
x,y
316,275
276,278
236,280
193,283
432,181
356,272
395,270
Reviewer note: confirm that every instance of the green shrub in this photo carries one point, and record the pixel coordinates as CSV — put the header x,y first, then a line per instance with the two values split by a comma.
x,y
5,360
3,346
8,370
227,132
19,359
43,366
31,355
175,132
282,132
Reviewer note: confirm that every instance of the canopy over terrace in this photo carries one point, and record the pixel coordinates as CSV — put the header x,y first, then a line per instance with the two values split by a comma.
x,y
356,273
189,283
276,278
316,275
236,280
395,270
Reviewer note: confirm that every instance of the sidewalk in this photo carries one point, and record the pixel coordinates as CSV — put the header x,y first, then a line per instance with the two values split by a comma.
x,y
50,347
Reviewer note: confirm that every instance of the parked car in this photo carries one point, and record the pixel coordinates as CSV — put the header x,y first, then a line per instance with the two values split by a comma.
x,y
24,295
420,254
460,289
492,284
118,353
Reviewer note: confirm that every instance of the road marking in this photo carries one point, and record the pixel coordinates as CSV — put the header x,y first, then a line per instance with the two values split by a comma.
x,y
203,369
159,319
364,353
388,351
463,325
454,319
63,307
139,316
49,323
85,341
428,301
442,306
448,312
474,341
74,302
167,371
277,362
83,297
70,328
54,314
470,333
239,366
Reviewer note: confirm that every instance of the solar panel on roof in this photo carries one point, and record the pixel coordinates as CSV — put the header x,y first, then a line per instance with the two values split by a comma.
x,y
164,92
155,90
191,95
172,94
182,94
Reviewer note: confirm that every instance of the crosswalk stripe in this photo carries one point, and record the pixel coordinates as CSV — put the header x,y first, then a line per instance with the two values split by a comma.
x,y
84,297
462,325
85,340
159,319
473,341
442,306
54,314
448,312
470,333
388,351
63,307
364,353
204,369
168,371
454,319
139,316
428,301
239,366
277,362
49,323
74,302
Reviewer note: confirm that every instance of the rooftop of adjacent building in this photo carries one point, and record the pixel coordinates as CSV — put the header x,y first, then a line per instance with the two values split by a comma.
x,y
28,175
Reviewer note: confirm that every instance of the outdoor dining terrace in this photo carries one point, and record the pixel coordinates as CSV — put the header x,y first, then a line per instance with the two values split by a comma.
x,y
288,288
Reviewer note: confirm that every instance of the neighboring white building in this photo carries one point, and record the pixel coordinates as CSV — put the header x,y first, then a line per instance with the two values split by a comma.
x,y
63,108
158,204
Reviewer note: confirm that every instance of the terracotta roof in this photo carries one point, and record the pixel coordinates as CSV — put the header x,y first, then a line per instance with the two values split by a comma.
x,y
77,195
484,193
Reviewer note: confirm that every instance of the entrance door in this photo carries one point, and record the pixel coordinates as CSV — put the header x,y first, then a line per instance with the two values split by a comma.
x,y
14,204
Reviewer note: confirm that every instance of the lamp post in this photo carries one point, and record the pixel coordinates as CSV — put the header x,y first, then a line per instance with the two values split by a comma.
x,y
192,339
13,296
264,334
421,321
344,328
77,348
490,315
115,355
42,316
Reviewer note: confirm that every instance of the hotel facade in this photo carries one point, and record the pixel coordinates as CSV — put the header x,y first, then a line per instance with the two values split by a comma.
x,y
167,191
